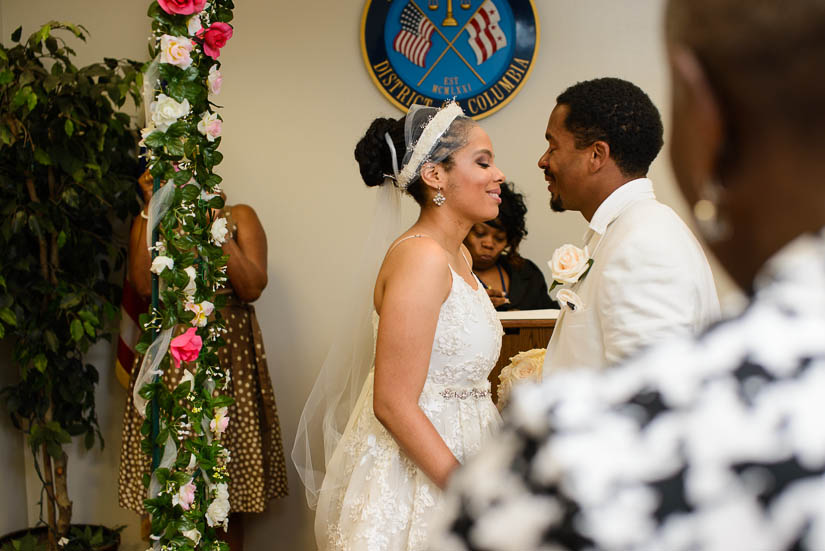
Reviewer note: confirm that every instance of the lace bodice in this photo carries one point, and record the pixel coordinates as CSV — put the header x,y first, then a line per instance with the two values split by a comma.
x,y
467,338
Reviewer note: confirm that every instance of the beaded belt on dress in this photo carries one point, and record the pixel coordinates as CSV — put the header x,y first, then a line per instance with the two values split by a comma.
x,y
464,393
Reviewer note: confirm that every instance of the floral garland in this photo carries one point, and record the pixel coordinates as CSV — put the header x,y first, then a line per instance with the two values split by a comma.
x,y
188,498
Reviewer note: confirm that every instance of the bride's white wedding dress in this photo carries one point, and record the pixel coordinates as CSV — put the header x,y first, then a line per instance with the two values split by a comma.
x,y
374,498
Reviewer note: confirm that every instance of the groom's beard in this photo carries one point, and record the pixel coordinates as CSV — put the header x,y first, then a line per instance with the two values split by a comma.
x,y
556,204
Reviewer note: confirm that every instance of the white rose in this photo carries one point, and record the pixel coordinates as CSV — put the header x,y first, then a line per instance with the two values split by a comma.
x,y
569,299
191,287
193,24
524,366
569,263
166,111
218,510
161,263
219,231
192,534
529,364
174,50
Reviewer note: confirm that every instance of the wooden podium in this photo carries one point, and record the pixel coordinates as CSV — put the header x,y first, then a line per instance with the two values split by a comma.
x,y
523,330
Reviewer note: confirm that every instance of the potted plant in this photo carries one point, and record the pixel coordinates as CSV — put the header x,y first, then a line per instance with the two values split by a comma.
x,y
68,166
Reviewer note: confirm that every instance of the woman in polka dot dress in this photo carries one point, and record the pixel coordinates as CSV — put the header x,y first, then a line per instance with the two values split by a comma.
x,y
257,470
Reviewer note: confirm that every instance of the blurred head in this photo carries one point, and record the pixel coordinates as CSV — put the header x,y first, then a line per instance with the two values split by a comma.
x,y
488,240
602,133
748,82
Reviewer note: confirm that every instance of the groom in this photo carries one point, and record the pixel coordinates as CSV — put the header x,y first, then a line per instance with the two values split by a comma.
x,y
649,278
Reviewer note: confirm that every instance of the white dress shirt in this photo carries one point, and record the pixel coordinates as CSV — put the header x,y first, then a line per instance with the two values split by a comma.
x,y
649,280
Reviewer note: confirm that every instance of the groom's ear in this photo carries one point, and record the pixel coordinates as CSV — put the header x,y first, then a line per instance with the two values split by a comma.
x,y
599,155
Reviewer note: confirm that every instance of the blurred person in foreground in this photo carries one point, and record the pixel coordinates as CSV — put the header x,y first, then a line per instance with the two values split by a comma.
x,y
714,442
512,282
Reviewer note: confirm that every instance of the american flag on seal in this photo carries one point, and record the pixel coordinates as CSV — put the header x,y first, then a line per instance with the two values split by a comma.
x,y
413,40
486,37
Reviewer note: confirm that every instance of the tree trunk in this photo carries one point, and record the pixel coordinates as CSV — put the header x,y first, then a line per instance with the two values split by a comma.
x,y
61,491
47,483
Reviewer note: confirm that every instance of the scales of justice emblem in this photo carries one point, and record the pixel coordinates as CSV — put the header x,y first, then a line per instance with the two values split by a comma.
x,y
476,52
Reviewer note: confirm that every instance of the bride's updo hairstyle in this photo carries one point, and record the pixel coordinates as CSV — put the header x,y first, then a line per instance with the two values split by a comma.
x,y
375,158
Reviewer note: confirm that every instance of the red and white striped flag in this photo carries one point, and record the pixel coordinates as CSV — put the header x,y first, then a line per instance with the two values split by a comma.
x,y
486,37
413,40
132,305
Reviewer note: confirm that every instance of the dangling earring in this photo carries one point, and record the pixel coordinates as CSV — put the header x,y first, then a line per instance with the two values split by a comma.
x,y
706,212
439,198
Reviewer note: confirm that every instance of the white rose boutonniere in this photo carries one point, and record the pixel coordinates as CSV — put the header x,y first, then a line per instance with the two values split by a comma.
x,y
569,264
568,299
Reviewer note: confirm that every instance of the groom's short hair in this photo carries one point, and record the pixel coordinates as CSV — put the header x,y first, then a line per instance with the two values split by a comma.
x,y
619,113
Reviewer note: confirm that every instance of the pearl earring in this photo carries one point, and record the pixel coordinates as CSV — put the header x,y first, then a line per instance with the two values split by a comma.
x,y
439,198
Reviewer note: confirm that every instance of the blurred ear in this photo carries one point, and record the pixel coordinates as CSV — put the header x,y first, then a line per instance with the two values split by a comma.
x,y
698,139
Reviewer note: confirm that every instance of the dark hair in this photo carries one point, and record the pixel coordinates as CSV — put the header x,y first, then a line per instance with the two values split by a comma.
x,y
510,219
375,160
764,62
619,113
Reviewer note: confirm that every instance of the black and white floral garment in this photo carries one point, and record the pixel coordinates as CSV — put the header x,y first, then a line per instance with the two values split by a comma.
x,y
715,443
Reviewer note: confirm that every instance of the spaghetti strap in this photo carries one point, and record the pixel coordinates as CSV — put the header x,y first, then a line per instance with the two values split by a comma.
x,y
468,263
404,239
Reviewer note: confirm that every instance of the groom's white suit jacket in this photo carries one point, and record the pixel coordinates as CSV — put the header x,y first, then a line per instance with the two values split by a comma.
x,y
649,280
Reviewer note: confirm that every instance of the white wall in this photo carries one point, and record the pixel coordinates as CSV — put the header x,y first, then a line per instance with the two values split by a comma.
x,y
297,97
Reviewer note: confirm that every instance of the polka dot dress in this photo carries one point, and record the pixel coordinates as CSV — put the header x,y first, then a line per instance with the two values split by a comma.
x,y
257,470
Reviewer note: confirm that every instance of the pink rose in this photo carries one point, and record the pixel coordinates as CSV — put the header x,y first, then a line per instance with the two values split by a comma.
x,y
182,7
215,80
186,347
214,38
185,496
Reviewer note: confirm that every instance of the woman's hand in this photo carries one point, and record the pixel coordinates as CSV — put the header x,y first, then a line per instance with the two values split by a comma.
x,y
497,297
146,182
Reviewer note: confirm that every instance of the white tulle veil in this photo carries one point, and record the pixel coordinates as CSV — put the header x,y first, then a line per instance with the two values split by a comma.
x,y
428,138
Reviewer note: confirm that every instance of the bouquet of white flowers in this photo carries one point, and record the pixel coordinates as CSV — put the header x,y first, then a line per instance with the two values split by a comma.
x,y
524,366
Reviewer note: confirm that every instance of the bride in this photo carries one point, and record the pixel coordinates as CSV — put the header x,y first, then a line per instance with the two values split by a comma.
x,y
425,405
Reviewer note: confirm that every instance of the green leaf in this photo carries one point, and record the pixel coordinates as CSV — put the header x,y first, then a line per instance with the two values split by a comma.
x,y
15,36
32,101
2,331
76,329
34,225
6,77
8,317
89,329
176,130
68,126
51,340
155,140
69,301
190,193
20,97
42,157
40,362
85,315
61,239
